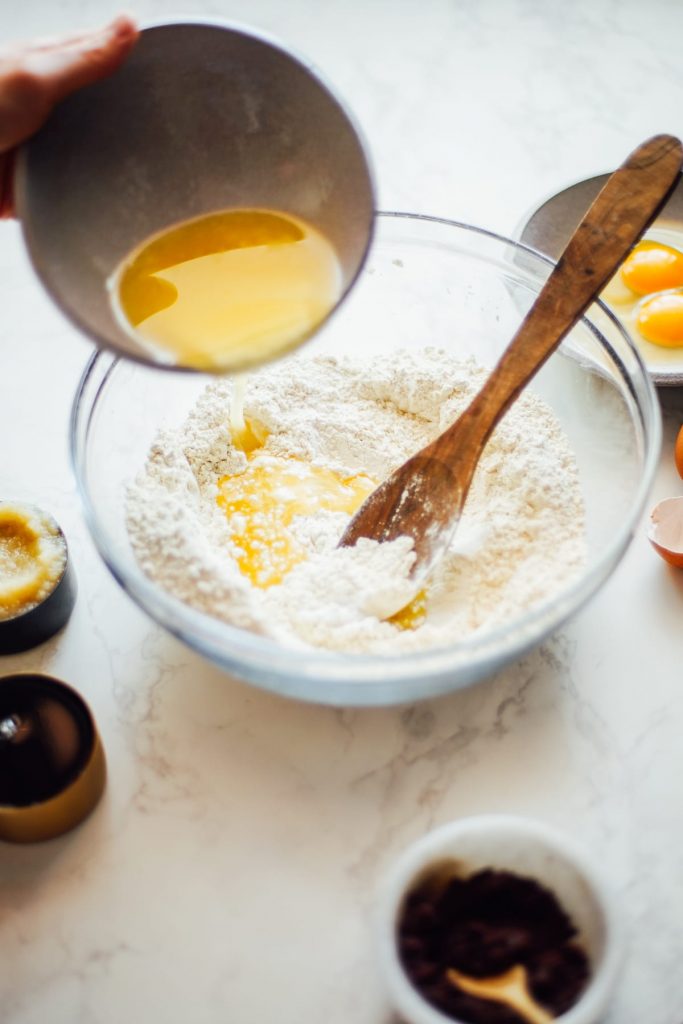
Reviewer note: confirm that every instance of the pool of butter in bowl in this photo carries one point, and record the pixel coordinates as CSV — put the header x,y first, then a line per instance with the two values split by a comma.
x,y
225,289
262,501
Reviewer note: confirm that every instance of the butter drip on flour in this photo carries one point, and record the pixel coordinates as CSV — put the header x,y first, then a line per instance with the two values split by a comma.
x,y
520,540
262,501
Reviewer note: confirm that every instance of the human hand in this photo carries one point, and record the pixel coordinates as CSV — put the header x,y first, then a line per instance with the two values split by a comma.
x,y
35,76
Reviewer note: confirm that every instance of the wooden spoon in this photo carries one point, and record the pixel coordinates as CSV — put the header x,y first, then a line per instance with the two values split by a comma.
x,y
510,988
424,497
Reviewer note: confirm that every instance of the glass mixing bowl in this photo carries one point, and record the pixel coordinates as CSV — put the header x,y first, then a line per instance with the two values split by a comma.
x,y
427,282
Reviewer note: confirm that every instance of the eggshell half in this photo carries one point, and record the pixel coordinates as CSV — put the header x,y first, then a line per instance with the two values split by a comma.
x,y
666,530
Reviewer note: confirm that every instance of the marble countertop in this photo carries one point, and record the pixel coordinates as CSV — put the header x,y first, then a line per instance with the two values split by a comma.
x,y
229,872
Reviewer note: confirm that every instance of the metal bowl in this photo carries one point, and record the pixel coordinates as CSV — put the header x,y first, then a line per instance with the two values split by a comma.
x,y
203,116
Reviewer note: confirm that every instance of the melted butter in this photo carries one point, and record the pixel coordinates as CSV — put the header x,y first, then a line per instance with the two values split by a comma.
x,y
413,615
247,435
261,503
32,558
227,289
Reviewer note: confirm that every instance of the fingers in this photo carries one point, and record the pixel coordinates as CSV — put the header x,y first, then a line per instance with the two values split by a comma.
x,y
35,77
62,67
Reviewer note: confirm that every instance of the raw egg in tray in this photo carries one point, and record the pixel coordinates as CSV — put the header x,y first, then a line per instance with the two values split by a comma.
x,y
646,293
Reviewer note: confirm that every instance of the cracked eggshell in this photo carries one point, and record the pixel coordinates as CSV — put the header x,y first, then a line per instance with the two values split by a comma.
x,y
665,531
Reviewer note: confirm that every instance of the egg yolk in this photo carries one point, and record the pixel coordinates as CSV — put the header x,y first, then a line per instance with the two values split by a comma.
x,y
652,267
660,319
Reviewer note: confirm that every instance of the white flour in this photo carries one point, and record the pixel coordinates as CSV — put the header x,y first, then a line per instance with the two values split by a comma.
x,y
520,540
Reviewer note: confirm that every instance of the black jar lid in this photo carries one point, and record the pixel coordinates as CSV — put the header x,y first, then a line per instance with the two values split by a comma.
x,y
32,627
52,767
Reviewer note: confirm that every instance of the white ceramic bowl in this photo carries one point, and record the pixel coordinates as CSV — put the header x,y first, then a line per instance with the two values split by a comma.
x,y
525,847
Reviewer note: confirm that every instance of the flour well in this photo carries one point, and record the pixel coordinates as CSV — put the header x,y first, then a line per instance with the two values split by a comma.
x,y
520,540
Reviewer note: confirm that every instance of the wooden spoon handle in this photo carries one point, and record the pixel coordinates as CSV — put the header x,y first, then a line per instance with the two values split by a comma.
x,y
630,200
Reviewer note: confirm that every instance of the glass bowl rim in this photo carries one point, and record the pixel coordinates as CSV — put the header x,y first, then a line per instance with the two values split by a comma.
x,y
212,637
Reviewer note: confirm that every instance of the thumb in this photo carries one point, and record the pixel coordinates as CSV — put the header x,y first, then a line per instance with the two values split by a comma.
x,y
35,77
64,66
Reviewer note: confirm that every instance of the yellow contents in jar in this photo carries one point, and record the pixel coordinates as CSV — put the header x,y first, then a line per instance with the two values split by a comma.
x,y
32,558
227,289
261,503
